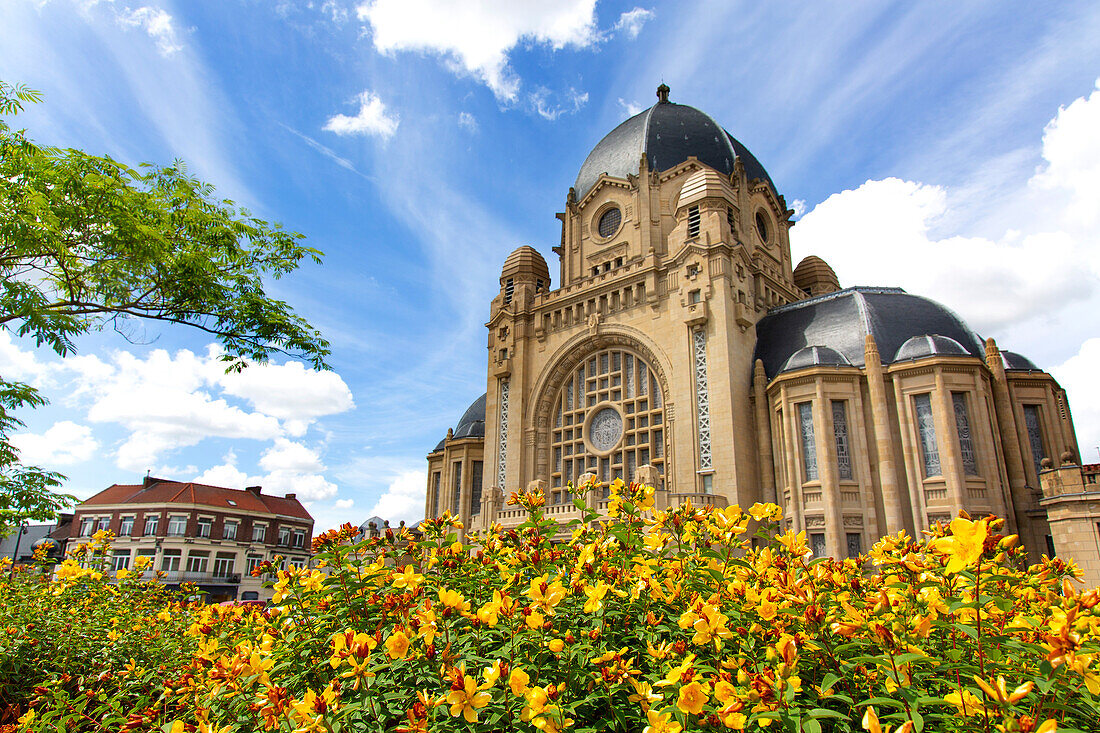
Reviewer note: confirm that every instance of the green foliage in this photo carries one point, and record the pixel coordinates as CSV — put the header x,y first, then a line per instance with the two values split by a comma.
x,y
86,242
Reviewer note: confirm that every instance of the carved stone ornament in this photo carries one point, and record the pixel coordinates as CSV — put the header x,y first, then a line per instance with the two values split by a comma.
x,y
606,429
815,522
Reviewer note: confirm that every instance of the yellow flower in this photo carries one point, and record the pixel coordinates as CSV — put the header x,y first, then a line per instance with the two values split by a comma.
x,y
454,599
692,698
967,703
163,615
965,544
999,691
760,512
556,645
466,701
397,646
122,573
546,594
491,675
535,620
661,723
518,682
312,581
595,597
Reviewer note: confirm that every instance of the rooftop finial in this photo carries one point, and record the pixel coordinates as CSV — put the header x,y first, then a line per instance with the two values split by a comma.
x,y
662,93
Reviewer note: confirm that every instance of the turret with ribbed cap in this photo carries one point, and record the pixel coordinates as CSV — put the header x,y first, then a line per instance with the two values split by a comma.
x,y
814,276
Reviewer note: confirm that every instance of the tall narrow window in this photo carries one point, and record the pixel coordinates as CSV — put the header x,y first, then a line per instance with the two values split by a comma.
x,y
126,527
475,487
926,428
229,529
729,218
817,544
962,427
809,448
1035,435
151,522
693,221
456,490
509,288
840,431
437,479
855,544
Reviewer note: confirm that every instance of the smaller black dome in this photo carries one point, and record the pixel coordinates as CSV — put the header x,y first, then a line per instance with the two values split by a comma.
x,y
1018,362
815,356
470,425
53,545
933,344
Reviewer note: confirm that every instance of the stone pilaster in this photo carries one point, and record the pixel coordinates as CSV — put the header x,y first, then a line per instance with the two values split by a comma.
x,y
884,442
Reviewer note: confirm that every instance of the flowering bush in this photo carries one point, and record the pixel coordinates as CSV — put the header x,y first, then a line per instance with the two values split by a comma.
x,y
649,621
86,652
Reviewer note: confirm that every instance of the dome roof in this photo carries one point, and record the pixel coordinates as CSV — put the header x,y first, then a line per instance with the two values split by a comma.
x,y
470,425
842,321
668,134
814,356
526,260
933,344
814,276
1012,360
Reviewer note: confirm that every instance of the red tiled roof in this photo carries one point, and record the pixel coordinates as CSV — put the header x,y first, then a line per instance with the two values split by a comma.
x,y
161,491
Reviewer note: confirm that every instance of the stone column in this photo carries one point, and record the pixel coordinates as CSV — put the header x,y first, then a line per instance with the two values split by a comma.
x,y
763,434
884,443
943,413
827,473
1010,442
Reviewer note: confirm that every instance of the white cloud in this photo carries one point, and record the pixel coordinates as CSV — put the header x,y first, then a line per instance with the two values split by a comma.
x,y
541,100
630,108
403,499
156,23
1078,376
476,37
467,121
291,469
631,21
1049,261
336,12
370,120
290,457
63,444
343,503
289,391
799,208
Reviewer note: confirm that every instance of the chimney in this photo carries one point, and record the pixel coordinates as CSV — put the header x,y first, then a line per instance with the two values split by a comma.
x,y
291,496
254,490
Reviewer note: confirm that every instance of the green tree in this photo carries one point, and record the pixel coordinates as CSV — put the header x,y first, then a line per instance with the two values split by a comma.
x,y
88,242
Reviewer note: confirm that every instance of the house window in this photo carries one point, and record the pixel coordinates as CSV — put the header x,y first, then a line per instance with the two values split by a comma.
x,y
259,532
196,562
298,562
855,544
437,479
229,529
693,221
840,432
104,524
223,565
151,522
475,487
170,561
284,536
1035,436
87,526
708,483
177,525
456,490
299,538
205,525
695,296
252,562
817,544
120,560
926,430
126,527
962,426
809,447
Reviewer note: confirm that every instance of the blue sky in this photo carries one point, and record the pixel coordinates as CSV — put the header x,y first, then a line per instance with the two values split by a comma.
x,y
949,150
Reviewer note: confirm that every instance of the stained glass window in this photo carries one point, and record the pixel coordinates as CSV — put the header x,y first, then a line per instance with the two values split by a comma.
x,y
926,428
817,544
609,222
855,544
456,490
475,487
436,480
1035,435
840,431
962,426
809,447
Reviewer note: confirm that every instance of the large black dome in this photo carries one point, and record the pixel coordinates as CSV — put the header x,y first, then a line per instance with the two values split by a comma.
x,y
668,134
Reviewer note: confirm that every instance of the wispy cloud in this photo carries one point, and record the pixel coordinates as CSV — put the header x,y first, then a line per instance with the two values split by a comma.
x,y
326,151
632,21
542,98
371,119
467,121
156,23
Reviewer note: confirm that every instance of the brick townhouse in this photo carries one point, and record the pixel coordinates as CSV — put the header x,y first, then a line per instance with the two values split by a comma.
x,y
210,536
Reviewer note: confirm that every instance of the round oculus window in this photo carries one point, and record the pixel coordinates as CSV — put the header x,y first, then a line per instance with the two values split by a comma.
x,y
605,429
609,222
762,226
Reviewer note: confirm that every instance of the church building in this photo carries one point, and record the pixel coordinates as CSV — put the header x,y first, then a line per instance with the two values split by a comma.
x,y
681,346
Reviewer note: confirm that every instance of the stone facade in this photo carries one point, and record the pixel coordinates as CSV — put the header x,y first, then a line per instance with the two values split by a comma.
x,y
681,344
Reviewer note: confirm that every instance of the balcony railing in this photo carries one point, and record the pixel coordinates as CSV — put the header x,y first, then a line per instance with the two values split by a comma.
x,y
178,576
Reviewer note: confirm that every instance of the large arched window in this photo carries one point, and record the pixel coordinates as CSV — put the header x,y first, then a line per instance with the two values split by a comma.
x,y
608,419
